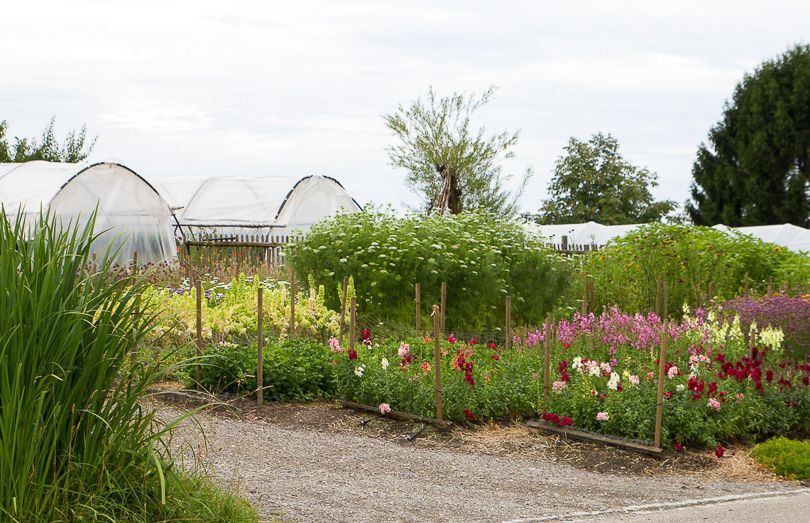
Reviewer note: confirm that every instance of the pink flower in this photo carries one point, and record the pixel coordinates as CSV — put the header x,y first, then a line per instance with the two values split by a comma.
x,y
740,396
385,408
425,367
559,386
451,339
602,416
650,375
635,380
334,345
672,372
713,403
403,349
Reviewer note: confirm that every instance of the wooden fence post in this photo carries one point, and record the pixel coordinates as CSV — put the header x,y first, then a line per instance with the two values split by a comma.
x,y
565,244
770,285
437,362
260,362
746,288
343,309
547,364
442,309
292,303
508,322
198,374
417,290
659,404
352,322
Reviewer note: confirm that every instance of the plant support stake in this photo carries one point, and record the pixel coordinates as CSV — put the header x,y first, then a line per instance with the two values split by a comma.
x,y
199,333
659,403
508,321
352,322
343,309
417,290
437,362
292,303
260,362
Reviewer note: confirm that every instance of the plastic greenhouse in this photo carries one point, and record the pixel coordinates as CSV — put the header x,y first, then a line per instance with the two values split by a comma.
x,y
131,213
274,205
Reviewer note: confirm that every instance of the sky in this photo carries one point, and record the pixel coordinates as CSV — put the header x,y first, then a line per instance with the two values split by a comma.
x,y
264,88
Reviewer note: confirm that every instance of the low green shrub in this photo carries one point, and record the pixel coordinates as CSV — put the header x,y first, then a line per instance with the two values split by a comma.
x,y
787,457
697,263
482,259
294,369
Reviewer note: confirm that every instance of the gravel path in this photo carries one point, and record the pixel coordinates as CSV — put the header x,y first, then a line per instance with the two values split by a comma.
x,y
311,475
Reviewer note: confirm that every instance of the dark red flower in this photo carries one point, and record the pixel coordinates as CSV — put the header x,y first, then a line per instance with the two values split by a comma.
x,y
668,394
619,387
806,380
769,375
566,422
365,337
602,397
565,377
352,354
719,451
472,342
720,357
563,366
469,414
712,388
468,377
496,357
678,447
491,345
696,396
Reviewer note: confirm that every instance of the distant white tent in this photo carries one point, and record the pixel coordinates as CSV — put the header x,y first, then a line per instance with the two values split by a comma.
x,y
273,205
591,233
131,213
177,191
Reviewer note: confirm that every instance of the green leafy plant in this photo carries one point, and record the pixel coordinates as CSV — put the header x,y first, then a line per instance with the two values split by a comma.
x,y
787,457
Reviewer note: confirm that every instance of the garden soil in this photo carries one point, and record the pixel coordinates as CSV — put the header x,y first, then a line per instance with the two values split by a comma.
x,y
316,462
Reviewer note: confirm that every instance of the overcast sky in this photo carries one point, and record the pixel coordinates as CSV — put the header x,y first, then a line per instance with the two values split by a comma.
x,y
249,88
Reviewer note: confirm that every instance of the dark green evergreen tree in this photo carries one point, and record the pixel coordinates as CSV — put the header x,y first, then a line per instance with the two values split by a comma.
x,y
755,170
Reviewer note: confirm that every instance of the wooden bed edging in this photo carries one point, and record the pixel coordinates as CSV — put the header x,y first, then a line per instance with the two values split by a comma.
x,y
598,438
395,414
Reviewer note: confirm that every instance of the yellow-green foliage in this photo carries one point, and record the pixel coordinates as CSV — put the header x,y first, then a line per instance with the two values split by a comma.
x,y
231,311
787,457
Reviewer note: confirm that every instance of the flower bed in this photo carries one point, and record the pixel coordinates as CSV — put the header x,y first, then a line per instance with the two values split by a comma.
x,y
603,374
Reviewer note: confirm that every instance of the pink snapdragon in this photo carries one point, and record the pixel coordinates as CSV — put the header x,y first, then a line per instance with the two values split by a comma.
x,y
602,416
385,408
713,404
672,372
404,348
635,380
334,345
559,386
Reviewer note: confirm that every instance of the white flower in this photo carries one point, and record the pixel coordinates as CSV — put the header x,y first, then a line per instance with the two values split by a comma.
x,y
680,387
613,382
359,371
384,363
577,364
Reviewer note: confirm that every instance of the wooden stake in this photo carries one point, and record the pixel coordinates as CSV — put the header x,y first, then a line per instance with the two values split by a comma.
x,y
343,308
547,364
199,332
260,362
442,308
585,294
352,322
746,289
508,321
658,296
437,362
770,285
659,405
135,263
292,303
417,291
666,301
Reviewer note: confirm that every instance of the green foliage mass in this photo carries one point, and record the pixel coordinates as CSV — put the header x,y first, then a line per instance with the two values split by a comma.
x,y
76,444
593,182
697,264
294,369
787,457
74,149
482,259
755,170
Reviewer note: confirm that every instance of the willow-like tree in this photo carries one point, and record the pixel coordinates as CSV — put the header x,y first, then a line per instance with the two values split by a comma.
x,y
74,148
452,165
755,169
593,182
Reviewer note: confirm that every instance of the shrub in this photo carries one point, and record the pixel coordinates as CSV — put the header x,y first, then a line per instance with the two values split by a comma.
x,y
294,369
694,262
482,260
786,457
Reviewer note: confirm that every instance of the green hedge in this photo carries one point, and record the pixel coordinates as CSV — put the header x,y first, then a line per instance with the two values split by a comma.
x,y
787,457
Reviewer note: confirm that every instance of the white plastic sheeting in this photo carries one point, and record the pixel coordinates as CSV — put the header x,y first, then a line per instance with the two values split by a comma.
x,y
276,205
591,233
177,191
131,213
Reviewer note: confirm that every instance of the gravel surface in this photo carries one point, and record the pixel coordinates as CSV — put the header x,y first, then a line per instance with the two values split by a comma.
x,y
319,475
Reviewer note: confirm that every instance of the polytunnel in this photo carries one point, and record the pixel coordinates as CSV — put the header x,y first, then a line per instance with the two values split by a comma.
x,y
275,205
131,214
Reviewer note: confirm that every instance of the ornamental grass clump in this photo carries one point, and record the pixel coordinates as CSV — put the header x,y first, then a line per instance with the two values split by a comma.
x,y
75,444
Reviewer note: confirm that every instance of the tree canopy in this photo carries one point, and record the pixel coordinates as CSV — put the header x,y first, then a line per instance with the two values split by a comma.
x,y
755,168
74,148
453,166
593,182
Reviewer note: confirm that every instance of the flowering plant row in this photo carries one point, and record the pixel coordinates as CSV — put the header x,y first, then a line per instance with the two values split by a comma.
x,y
230,311
721,383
